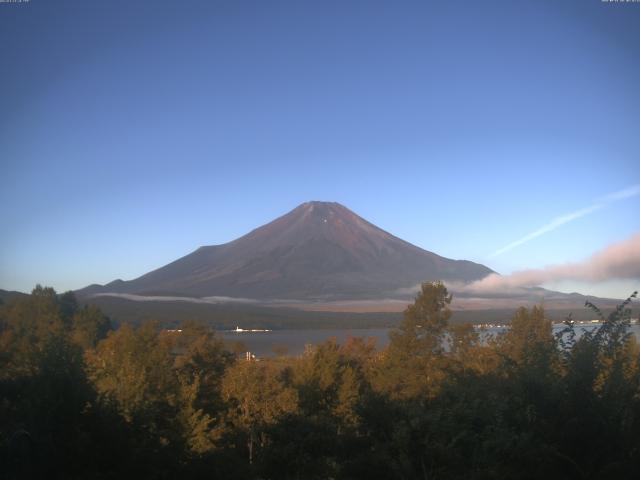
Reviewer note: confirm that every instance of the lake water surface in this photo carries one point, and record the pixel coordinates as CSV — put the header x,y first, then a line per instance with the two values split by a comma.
x,y
293,342
263,344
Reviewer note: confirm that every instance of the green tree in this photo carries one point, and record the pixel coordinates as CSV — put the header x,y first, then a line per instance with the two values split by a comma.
x,y
424,323
414,362
68,307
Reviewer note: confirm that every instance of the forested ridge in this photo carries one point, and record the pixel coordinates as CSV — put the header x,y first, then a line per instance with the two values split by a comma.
x,y
81,400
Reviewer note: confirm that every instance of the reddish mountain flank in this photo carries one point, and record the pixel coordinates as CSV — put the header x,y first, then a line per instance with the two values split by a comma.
x,y
318,251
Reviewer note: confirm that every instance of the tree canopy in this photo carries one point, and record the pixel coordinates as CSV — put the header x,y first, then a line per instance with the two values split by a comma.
x,y
81,400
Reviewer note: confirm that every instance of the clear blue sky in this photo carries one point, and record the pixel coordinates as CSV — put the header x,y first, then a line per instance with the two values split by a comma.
x,y
132,132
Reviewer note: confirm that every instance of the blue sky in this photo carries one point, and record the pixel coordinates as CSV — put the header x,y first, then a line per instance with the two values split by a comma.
x,y
133,132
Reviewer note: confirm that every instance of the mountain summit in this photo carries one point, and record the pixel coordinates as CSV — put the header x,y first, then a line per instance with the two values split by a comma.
x,y
318,251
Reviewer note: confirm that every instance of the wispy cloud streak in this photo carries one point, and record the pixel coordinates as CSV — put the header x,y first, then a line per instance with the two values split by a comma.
x,y
570,217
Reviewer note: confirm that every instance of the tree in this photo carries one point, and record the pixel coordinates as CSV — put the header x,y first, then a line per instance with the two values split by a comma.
x,y
200,364
68,307
601,412
132,368
44,389
30,324
425,322
471,350
89,326
259,398
414,363
529,341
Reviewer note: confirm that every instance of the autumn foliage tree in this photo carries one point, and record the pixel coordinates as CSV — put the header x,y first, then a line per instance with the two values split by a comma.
x,y
80,400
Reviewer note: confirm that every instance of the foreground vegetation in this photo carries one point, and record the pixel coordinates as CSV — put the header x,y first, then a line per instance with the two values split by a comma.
x,y
80,400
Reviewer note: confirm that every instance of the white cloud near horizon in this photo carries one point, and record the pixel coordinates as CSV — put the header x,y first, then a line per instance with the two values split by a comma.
x,y
165,298
564,219
617,261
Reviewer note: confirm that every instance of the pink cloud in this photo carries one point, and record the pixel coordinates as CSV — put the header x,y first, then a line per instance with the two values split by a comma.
x,y
617,261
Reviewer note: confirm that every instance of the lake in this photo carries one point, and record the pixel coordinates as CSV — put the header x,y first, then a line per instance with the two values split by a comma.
x,y
264,344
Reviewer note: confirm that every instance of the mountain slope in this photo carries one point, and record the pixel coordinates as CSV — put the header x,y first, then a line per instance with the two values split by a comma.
x,y
318,251
6,296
